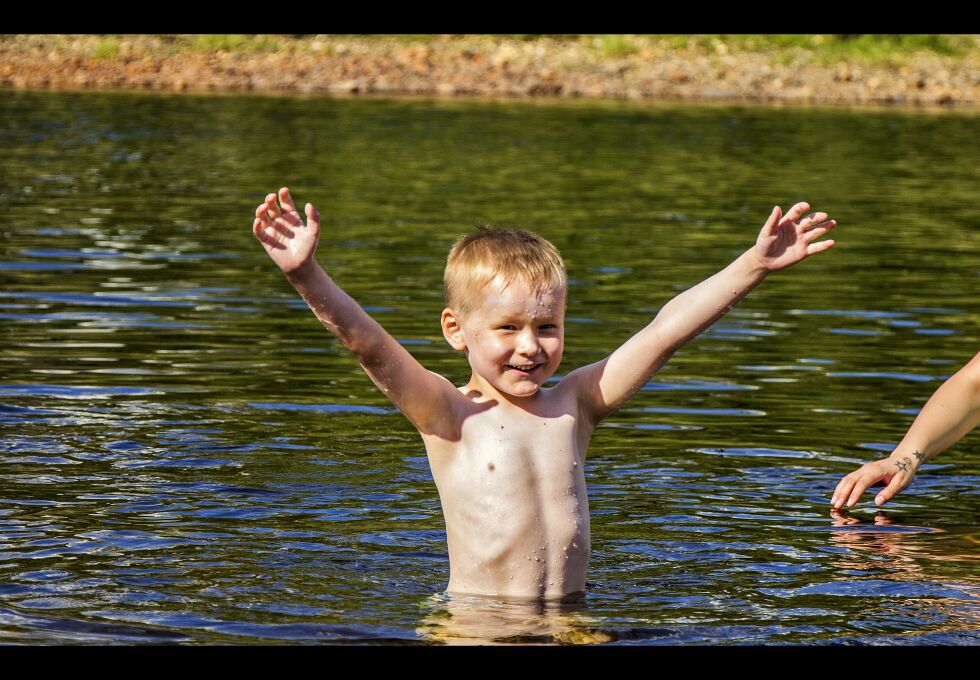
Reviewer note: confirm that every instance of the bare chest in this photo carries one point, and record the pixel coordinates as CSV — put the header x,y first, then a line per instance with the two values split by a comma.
x,y
537,450
513,473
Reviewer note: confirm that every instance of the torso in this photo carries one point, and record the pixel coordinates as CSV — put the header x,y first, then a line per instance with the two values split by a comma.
x,y
514,497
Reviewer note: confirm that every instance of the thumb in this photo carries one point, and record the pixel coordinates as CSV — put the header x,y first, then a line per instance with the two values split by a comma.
x,y
312,217
889,492
773,220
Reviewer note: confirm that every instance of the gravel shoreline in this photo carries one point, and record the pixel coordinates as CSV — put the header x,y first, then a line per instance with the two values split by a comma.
x,y
484,66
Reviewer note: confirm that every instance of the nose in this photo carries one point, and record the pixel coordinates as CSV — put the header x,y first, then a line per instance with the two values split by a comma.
x,y
527,343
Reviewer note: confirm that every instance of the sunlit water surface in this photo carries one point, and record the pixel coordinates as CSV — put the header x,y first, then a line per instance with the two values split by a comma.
x,y
188,457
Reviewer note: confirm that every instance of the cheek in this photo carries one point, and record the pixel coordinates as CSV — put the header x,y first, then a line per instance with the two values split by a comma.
x,y
488,347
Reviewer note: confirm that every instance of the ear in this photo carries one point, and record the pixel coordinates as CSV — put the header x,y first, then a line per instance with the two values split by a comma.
x,y
451,329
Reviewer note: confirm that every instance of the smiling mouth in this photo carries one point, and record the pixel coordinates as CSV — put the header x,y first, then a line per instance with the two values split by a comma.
x,y
527,368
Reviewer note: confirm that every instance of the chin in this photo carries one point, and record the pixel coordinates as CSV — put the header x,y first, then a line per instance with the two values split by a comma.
x,y
523,391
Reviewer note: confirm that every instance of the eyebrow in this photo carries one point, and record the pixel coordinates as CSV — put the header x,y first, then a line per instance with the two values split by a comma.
x,y
509,317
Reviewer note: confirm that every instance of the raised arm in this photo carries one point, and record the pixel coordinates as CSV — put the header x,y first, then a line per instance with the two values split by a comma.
x,y
951,412
421,395
783,241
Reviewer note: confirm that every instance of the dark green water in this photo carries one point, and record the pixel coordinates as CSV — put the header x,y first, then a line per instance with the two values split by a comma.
x,y
187,456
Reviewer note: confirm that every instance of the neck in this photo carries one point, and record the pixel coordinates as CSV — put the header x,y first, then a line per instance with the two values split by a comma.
x,y
483,387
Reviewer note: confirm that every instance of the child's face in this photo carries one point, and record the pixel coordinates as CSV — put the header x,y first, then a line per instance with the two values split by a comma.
x,y
515,336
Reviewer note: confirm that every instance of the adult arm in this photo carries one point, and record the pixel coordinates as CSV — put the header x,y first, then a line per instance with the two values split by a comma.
x,y
951,412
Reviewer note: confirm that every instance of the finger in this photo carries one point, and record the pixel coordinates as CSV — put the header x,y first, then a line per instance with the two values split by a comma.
x,y
272,206
860,487
259,229
815,248
889,492
312,218
814,218
262,213
844,488
773,220
797,210
842,491
287,200
818,231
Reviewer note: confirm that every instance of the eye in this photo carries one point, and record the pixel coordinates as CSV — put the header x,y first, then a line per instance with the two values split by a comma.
x,y
548,327
508,327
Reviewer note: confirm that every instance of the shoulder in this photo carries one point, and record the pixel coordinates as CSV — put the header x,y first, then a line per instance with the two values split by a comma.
x,y
583,387
573,396
438,414
459,405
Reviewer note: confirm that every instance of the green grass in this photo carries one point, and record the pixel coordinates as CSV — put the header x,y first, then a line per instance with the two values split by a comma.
x,y
821,48
106,48
401,38
826,47
618,45
234,42
887,47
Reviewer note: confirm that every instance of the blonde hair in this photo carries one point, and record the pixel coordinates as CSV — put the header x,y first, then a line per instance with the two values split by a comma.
x,y
508,254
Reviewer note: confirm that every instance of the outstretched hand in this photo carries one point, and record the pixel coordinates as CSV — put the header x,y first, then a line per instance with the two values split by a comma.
x,y
289,242
784,241
895,473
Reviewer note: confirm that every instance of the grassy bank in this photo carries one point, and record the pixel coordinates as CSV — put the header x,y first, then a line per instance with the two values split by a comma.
x,y
822,68
824,48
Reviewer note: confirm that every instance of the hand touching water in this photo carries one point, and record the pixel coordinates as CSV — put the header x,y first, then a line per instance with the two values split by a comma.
x,y
784,241
896,472
279,227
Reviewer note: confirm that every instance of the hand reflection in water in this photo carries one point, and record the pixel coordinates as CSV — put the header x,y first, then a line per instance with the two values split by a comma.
x,y
908,548
841,519
476,620
922,557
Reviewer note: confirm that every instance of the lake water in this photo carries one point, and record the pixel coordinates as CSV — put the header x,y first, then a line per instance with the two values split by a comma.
x,y
188,457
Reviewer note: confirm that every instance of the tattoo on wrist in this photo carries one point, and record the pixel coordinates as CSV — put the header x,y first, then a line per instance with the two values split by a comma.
x,y
902,464
918,455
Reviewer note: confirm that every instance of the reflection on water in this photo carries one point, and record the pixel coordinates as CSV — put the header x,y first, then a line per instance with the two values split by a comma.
x,y
186,457
468,620
911,554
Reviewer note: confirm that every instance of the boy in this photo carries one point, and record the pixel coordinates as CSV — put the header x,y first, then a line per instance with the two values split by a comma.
x,y
506,454
951,412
